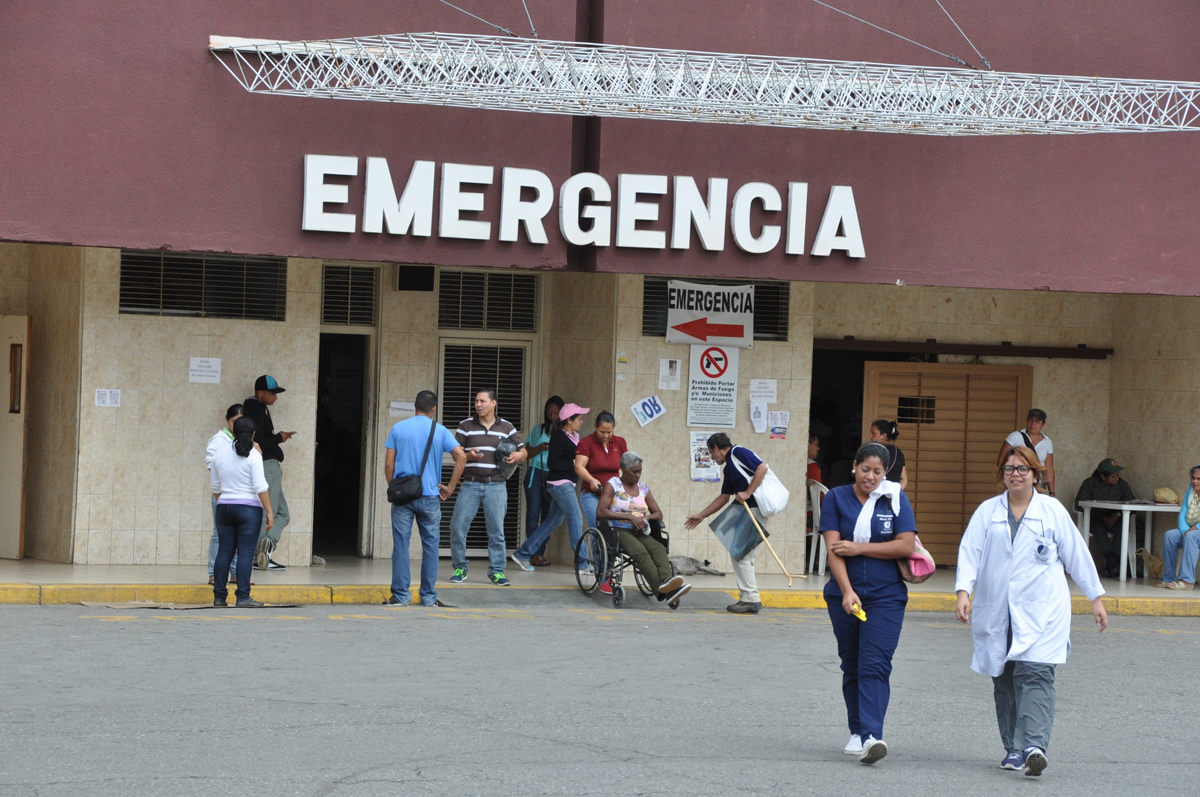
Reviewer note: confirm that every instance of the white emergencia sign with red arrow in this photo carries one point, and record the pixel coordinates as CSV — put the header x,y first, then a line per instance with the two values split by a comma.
x,y
715,314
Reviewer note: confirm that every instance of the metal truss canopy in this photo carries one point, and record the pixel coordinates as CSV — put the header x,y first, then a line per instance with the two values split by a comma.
x,y
579,79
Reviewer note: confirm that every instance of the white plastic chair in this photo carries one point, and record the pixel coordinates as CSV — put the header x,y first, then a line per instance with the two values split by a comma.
x,y
816,491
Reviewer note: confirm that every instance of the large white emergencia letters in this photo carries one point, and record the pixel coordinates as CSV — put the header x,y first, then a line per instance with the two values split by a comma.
x,y
585,208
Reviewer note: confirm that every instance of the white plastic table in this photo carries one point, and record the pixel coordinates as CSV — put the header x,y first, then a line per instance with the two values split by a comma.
x,y
1128,555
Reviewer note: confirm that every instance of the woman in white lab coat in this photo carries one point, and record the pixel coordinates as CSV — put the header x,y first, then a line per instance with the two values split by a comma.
x,y
1013,556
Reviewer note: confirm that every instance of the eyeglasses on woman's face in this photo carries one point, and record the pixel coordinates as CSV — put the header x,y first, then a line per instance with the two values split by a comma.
x,y
1020,470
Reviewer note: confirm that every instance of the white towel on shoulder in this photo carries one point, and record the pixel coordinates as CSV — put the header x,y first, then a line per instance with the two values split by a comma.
x,y
862,526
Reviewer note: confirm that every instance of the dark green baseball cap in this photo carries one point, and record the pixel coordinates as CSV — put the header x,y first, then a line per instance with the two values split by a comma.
x,y
1109,466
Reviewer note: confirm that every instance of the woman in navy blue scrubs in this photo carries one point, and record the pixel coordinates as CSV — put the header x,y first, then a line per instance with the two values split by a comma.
x,y
867,526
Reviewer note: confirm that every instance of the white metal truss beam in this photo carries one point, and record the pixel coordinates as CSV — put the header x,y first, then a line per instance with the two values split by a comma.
x,y
579,79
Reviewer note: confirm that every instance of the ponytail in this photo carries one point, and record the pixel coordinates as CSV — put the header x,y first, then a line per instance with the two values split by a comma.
x,y
887,428
243,436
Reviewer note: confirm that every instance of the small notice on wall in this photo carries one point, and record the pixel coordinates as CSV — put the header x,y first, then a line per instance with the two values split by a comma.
x,y
758,416
778,422
401,409
763,390
205,369
108,398
648,409
704,469
668,374
712,387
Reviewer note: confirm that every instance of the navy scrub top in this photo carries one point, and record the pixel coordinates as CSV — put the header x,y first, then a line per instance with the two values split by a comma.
x,y
839,512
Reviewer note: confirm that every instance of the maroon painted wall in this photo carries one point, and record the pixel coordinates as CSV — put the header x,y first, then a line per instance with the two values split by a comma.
x,y
120,129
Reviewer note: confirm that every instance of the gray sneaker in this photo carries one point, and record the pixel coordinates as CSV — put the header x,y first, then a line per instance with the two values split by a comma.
x,y
524,564
744,607
249,603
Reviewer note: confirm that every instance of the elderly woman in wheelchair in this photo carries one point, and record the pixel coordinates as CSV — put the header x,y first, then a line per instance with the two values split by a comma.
x,y
628,508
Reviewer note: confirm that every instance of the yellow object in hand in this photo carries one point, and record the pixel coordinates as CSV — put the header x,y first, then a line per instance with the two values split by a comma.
x,y
859,613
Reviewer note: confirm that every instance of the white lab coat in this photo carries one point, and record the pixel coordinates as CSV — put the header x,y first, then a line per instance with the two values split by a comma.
x,y
1022,579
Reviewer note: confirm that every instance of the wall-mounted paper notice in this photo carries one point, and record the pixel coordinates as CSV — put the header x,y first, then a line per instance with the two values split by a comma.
x,y
668,374
758,416
763,390
205,369
108,398
401,409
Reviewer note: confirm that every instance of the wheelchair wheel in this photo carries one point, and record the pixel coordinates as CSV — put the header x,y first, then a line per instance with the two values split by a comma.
x,y
618,596
592,551
642,585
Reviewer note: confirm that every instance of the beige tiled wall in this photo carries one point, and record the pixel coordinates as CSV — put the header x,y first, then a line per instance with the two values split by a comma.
x,y
663,444
1074,393
14,277
408,364
1154,429
143,495
53,303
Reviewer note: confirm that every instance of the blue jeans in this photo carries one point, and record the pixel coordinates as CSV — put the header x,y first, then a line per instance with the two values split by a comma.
x,y
494,498
1172,541
563,505
214,544
427,512
237,528
536,508
589,501
866,650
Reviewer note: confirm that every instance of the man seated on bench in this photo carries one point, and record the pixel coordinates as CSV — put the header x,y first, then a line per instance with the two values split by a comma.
x,y
628,506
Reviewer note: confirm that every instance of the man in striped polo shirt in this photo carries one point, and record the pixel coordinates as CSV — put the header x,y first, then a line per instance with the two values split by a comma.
x,y
483,484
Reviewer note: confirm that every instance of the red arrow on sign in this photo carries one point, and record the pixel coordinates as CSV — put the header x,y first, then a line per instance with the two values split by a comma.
x,y
700,329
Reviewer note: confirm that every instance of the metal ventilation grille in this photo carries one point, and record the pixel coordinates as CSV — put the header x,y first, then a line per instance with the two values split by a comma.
x,y
348,295
466,370
487,301
196,284
772,302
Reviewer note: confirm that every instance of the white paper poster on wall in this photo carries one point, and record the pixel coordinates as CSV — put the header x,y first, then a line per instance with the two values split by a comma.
x,y
764,390
206,370
648,409
758,416
712,387
668,374
108,398
704,469
779,421
401,409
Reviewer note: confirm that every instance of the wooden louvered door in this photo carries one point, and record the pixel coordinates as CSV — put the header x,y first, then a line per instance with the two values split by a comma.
x,y
952,420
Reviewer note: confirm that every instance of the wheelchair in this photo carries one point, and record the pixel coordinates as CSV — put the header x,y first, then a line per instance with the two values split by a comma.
x,y
601,548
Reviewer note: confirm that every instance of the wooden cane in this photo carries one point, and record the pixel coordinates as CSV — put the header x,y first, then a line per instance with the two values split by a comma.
x,y
763,534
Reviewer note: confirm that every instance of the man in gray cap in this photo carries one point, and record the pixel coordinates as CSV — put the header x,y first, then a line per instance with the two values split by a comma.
x,y
257,409
1106,484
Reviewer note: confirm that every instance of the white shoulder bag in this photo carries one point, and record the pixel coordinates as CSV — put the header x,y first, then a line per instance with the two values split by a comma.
x,y
771,496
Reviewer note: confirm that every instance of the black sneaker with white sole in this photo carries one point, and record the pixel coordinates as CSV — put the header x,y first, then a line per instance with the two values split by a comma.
x,y
273,565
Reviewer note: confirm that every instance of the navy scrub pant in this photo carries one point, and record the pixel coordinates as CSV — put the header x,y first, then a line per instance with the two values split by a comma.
x,y
866,651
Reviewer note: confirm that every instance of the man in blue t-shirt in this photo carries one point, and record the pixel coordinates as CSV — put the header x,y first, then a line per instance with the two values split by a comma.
x,y
740,463
405,447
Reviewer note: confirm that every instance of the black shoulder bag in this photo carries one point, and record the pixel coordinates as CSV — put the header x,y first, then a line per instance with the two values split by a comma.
x,y
404,489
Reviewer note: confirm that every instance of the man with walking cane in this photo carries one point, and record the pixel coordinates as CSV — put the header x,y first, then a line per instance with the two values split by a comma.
x,y
739,462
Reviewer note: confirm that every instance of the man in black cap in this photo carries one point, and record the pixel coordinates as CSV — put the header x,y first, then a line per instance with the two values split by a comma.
x,y
1106,484
266,392
1032,437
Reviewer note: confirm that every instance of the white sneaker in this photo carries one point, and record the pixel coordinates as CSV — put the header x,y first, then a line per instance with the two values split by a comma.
x,y
854,746
586,570
522,563
873,750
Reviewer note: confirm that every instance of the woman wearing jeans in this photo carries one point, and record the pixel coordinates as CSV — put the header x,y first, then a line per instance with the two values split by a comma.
x,y
560,484
238,484
536,505
597,460
1014,556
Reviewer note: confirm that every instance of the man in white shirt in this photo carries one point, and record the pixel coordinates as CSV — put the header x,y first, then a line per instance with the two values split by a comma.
x,y
1032,437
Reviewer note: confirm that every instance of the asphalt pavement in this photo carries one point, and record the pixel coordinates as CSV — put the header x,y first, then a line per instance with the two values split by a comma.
x,y
560,696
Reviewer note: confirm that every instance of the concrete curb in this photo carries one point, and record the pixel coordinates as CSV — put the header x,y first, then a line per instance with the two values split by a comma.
x,y
375,594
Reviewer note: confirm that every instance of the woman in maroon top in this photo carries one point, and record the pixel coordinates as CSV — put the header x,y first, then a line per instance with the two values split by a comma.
x,y
598,459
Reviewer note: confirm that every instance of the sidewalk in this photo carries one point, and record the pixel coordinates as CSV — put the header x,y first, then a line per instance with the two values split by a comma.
x,y
348,580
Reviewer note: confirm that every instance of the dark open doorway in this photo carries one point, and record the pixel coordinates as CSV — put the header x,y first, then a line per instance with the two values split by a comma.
x,y
837,401
338,464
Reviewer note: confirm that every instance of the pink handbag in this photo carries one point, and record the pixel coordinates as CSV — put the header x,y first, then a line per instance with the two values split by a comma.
x,y
918,566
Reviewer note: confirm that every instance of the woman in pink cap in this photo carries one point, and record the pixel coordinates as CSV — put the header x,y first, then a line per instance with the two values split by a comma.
x,y
560,484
